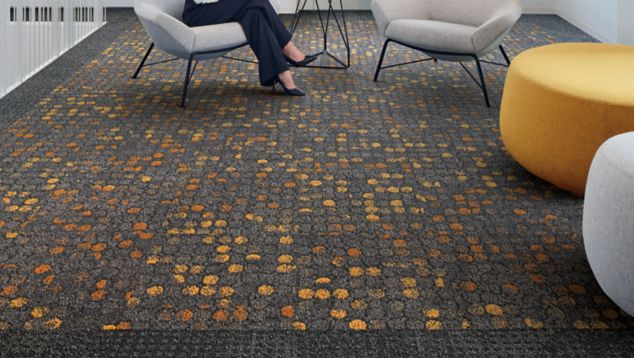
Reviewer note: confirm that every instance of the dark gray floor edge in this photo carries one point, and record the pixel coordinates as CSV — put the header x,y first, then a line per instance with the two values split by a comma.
x,y
23,98
387,343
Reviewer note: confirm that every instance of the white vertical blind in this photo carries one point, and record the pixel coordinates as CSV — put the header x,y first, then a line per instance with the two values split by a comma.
x,y
36,32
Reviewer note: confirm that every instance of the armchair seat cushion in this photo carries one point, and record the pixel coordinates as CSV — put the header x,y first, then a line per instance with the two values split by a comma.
x,y
221,36
433,35
162,19
459,27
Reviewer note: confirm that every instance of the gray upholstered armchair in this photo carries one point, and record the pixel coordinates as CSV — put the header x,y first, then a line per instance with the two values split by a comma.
x,y
162,19
450,30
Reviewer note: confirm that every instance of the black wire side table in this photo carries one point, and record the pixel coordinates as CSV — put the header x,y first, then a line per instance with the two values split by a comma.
x,y
334,15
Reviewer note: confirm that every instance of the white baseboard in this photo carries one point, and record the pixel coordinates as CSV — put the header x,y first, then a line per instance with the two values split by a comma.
x,y
119,3
289,9
539,11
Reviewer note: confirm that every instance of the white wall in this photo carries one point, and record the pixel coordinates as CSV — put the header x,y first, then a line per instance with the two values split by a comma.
x,y
539,6
288,6
530,6
120,3
599,18
626,22
606,20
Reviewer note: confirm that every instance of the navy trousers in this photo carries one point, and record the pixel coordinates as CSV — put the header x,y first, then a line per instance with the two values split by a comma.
x,y
264,29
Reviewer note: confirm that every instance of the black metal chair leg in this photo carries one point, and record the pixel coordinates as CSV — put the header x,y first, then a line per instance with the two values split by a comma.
x,y
378,68
147,54
187,79
506,57
483,84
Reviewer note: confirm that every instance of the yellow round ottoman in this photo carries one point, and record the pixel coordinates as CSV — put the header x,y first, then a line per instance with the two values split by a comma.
x,y
561,102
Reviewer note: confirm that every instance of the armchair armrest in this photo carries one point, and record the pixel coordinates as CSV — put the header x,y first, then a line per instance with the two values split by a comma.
x,y
386,11
168,33
490,34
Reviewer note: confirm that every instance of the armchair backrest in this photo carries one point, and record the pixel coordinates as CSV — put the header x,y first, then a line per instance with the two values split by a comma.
x,y
386,11
467,12
162,19
173,8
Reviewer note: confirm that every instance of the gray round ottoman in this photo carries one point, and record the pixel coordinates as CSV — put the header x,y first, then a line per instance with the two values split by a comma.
x,y
608,219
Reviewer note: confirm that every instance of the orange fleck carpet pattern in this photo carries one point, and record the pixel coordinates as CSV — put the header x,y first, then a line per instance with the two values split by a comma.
x,y
363,206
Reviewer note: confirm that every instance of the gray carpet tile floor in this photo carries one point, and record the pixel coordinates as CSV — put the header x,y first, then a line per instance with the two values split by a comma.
x,y
386,207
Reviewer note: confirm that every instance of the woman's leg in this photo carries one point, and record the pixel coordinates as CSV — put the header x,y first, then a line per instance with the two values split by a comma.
x,y
272,18
292,52
265,32
264,44
279,29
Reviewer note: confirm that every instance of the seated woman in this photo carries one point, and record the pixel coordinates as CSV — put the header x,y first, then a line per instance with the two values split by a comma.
x,y
267,36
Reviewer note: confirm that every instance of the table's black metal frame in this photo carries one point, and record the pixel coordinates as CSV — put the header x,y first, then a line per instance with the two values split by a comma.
x,y
341,25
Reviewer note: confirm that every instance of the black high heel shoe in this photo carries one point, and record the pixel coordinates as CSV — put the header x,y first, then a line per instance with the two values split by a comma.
x,y
295,92
303,63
